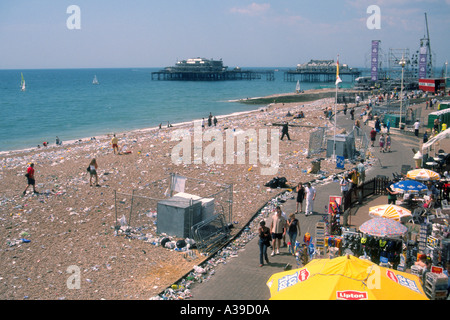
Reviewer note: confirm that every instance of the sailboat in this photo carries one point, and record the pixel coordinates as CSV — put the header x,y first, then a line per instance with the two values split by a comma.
x,y
95,81
297,88
22,82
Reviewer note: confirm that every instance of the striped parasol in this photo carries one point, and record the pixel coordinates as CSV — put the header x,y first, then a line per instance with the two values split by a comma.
x,y
423,175
389,211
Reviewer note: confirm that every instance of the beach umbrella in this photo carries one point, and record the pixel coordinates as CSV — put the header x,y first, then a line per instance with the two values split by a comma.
x,y
409,186
345,277
389,211
382,227
422,174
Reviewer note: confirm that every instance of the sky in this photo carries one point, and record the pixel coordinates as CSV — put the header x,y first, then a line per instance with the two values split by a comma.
x,y
34,34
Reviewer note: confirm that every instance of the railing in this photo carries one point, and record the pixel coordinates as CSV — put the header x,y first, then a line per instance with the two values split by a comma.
x,y
356,194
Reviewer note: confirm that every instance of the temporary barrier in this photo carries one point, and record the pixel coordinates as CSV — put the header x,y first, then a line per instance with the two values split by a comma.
x,y
173,206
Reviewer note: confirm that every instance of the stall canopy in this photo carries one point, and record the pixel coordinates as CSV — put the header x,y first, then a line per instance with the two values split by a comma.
x,y
443,135
344,278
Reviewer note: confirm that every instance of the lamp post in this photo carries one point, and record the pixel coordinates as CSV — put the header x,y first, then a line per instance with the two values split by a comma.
x,y
402,63
446,63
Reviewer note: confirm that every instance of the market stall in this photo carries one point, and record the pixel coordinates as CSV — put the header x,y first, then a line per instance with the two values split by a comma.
x,y
344,278
405,237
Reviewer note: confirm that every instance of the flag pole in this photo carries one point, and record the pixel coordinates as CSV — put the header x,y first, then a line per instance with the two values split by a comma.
x,y
335,109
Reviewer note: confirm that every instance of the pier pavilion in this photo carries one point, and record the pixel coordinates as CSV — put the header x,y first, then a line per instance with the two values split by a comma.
x,y
320,71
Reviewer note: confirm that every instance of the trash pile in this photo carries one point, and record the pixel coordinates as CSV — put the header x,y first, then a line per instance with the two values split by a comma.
x,y
203,273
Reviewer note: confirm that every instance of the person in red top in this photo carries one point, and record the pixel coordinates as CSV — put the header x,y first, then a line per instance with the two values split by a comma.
x,y
30,178
373,135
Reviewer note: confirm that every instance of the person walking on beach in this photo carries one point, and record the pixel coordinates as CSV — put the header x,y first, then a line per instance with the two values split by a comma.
x,y
293,227
30,179
310,194
387,148
416,127
362,172
278,230
344,183
93,172
264,242
284,216
215,121
115,144
382,140
285,131
210,120
373,136
300,196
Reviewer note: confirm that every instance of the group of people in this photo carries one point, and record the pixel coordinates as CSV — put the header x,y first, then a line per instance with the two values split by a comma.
x,y
354,178
271,237
384,140
31,181
211,120
282,225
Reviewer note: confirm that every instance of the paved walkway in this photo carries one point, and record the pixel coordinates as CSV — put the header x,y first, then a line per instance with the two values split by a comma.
x,y
241,278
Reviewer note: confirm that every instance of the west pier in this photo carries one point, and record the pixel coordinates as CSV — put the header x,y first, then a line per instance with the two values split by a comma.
x,y
320,71
201,69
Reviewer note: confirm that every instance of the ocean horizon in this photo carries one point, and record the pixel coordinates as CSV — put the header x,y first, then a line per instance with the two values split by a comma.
x,y
66,103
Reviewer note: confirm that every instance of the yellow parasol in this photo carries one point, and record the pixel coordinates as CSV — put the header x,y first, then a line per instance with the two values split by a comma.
x,y
423,175
346,278
389,211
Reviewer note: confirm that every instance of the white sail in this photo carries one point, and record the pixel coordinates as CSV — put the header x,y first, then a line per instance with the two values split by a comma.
x,y
297,88
95,81
22,83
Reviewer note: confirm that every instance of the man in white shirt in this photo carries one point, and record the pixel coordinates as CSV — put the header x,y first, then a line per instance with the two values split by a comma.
x,y
344,185
416,128
310,193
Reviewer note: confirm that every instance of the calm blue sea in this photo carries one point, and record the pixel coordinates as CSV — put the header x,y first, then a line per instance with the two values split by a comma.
x,y
65,103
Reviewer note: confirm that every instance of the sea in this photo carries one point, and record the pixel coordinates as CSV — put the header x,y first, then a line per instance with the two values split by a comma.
x,y
66,103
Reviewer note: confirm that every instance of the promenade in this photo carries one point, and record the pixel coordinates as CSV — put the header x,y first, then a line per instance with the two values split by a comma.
x,y
241,278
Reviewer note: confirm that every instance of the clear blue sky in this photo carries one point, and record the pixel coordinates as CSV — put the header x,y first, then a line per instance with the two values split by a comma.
x,y
266,33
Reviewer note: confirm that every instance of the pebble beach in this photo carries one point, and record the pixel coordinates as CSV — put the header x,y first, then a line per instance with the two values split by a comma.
x,y
70,225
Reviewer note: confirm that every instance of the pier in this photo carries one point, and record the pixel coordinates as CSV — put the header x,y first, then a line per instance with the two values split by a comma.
x,y
320,71
201,69
195,75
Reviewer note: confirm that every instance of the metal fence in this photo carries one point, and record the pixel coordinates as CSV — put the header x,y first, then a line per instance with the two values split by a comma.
x,y
356,194
361,142
138,212
316,141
